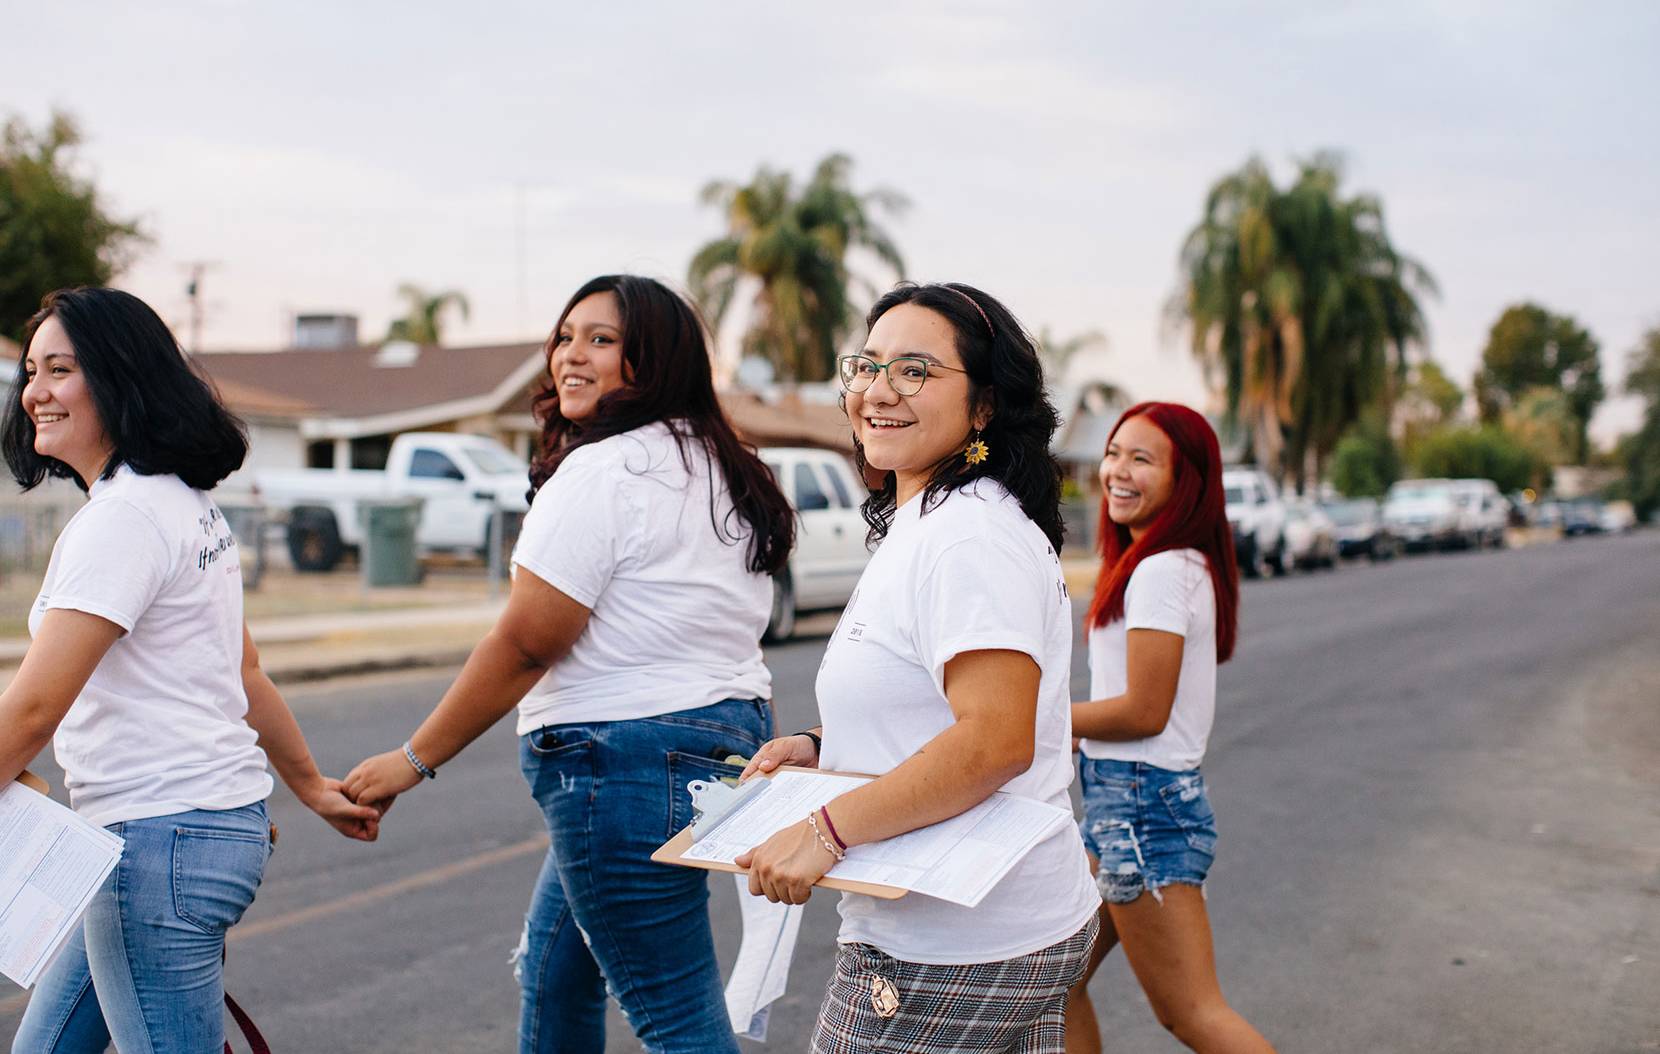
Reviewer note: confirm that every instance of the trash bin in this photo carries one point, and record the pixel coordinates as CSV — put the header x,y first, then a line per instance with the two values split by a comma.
x,y
389,555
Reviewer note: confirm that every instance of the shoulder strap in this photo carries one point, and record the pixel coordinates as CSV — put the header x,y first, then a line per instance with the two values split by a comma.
x,y
250,1031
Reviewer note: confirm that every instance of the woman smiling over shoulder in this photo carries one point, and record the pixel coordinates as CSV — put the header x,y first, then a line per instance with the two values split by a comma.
x,y
947,677
1164,615
631,646
142,675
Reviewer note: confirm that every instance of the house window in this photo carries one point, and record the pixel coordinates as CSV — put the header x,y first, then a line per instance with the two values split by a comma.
x,y
371,451
320,454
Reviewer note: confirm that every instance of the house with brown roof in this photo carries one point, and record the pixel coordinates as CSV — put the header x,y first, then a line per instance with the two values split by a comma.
x,y
341,407
344,405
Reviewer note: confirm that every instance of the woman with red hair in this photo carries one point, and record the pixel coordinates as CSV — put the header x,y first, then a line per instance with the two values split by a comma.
x,y
1163,616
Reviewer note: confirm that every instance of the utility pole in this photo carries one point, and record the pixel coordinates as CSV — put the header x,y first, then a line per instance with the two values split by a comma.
x,y
519,229
196,269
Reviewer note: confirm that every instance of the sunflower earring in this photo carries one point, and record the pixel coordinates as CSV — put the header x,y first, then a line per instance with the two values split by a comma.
x,y
977,450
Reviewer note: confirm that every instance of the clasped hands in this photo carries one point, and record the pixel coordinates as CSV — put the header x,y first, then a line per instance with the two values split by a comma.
x,y
354,806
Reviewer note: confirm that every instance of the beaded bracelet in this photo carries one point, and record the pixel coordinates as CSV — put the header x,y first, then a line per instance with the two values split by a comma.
x,y
426,771
812,821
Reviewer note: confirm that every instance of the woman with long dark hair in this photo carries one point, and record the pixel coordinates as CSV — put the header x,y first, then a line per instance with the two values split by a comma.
x,y
947,679
631,647
1164,614
142,675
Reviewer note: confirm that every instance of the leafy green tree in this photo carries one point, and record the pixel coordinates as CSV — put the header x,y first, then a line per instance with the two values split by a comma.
x,y
1430,397
1479,452
1529,347
423,319
54,228
1366,460
794,246
1543,421
1640,451
1300,308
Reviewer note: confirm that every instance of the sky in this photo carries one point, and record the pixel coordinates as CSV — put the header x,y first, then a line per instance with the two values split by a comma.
x,y
317,155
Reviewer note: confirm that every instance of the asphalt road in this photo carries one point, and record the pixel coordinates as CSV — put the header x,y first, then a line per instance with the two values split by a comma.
x,y
1438,789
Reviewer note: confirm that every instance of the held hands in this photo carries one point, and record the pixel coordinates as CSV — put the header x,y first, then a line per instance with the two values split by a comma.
x,y
797,750
327,799
784,867
377,781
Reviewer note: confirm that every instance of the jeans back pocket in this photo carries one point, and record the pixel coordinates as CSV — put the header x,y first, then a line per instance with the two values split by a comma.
x,y
683,769
215,875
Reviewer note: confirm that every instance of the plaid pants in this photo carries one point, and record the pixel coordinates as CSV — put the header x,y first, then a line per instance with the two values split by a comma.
x,y
1016,1006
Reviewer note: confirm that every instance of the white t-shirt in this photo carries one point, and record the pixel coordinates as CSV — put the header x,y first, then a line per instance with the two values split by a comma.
x,y
972,574
159,727
626,529
1169,591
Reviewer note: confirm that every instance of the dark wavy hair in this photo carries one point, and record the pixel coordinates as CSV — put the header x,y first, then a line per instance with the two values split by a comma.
x,y
1003,371
162,416
666,364
1194,517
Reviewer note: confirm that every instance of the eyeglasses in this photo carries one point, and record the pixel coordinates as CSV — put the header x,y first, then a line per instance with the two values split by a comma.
x,y
905,373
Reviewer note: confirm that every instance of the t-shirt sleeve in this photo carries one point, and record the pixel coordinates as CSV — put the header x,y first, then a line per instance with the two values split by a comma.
x,y
1160,594
980,595
576,532
112,563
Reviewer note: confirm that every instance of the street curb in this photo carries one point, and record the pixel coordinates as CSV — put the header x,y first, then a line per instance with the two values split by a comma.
x,y
303,673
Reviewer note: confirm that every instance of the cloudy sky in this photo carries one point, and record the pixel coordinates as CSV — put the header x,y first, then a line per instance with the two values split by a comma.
x,y
318,154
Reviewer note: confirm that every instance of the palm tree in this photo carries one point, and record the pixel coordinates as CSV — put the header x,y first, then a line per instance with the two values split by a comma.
x,y
795,246
1057,352
1300,308
423,322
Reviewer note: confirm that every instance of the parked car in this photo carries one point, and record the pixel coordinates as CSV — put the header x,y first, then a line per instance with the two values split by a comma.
x,y
1310,536
1581,516
1484,513
830,552
1257,516
1618,517
1424,514
1361,530
461,480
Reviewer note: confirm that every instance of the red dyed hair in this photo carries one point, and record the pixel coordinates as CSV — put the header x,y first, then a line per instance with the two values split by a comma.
x,y
1195,517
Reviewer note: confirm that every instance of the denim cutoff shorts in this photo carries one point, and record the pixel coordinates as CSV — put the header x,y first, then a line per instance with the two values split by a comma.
x,y
1149,827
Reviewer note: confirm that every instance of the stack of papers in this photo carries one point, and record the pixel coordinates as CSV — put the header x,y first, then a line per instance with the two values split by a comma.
x,y
958,860
51,863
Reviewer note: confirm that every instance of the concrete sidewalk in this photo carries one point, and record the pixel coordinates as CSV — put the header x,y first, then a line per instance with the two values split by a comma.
x,y
316,647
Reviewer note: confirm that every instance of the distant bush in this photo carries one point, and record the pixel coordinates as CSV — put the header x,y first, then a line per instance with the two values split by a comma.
x,y
1479,453
1365,462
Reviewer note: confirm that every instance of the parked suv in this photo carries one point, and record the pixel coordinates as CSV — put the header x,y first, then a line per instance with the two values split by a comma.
x,y
1484,513
1257,516
1424,514
830,552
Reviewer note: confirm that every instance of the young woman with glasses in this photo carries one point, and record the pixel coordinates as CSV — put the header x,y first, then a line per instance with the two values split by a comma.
x,y
947,678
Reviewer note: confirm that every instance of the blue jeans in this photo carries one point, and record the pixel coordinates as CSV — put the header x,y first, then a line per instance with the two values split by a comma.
x,y
604,918
144,969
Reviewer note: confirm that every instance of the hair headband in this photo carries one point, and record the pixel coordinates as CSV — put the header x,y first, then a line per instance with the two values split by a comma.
x,y
977,307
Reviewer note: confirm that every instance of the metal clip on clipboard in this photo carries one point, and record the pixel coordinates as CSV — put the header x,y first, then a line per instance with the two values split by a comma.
x,y
714,802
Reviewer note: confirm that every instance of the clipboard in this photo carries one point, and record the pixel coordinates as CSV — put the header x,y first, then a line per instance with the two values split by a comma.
x,y
34,782
674,852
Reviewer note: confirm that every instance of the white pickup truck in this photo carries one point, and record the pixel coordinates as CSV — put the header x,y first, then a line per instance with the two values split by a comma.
x,y
459,478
